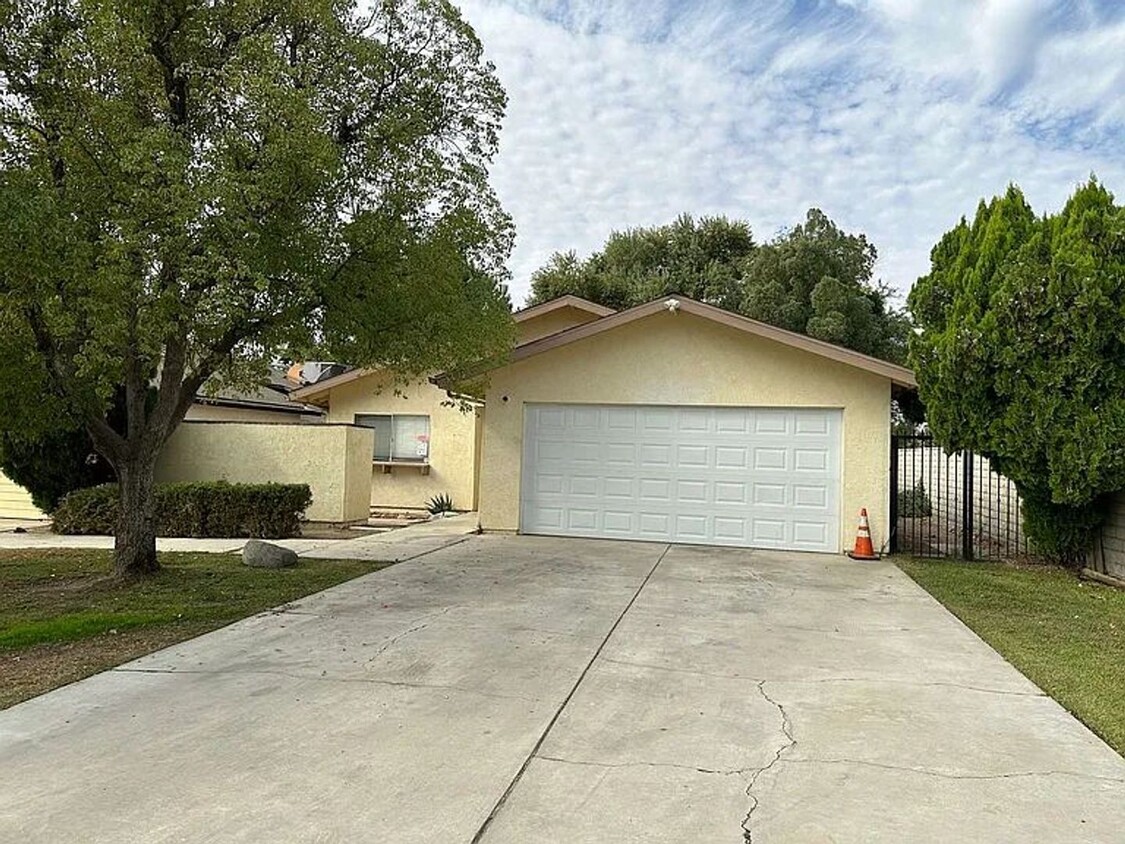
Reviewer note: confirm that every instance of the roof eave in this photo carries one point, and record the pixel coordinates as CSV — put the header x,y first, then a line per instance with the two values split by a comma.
x,y
567,301
898,375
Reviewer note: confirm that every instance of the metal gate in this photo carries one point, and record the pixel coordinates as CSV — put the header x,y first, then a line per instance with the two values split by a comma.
x,y
951,505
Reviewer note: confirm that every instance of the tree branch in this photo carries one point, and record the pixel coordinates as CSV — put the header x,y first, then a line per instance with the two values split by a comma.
x,y
111,444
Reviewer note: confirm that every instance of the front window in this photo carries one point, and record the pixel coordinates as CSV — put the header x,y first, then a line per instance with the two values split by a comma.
x,y
398,438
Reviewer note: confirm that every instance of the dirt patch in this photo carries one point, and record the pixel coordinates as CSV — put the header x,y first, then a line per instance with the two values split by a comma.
x,y
35,670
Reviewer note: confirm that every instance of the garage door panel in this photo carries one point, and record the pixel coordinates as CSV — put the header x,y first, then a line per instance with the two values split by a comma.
x,y
774,458
731,492
733,476
809,534
656,456
806,423
656,489
776,424
732,457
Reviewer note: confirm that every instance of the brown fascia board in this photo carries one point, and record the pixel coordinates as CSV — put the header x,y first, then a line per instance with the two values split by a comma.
x,y
567,301
250,404
313,391
899,375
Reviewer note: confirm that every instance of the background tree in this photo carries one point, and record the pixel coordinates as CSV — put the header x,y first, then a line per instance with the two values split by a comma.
x,y
814,278
1021,356
699,259
189,188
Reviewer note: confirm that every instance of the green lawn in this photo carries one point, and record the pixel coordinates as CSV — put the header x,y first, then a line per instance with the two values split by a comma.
x,y
1067,635
63,618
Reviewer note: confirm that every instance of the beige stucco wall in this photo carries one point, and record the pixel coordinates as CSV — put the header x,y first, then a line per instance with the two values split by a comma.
x,y
334,460
1108,554
15,501
222,413
552,322
684,359
453,441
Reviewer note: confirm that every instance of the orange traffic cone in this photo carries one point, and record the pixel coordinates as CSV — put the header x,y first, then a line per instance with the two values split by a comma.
x,y
864,550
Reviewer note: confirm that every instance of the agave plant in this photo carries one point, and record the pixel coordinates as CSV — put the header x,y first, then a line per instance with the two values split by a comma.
x,y
440,504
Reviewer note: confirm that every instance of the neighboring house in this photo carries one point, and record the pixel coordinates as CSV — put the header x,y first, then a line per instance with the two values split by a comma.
x,y
264,405
427,443
269,403
15,501
676,421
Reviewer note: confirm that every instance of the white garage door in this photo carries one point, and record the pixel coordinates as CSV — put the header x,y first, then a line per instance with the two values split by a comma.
x,y
752,477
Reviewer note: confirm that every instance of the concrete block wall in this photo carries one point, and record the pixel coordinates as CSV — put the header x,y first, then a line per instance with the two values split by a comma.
x,y
1108,554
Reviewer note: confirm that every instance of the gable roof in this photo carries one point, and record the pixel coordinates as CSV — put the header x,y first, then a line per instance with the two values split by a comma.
x,y
898,375
567,301
312,391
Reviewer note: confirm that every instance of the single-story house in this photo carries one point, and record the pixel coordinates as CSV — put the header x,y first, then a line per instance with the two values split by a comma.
x,y
426,442
676,421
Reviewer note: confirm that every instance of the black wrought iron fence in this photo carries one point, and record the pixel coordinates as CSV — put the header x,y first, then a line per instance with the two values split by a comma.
x,y
951,505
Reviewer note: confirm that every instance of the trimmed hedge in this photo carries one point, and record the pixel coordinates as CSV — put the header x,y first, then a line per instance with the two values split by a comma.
x,y
211,509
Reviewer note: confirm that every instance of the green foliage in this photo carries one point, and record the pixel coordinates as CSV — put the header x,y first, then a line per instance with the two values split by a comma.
x,y
915,503
190,189
51,461
442,503
214,509
52,464
1021,356
699,259
814,279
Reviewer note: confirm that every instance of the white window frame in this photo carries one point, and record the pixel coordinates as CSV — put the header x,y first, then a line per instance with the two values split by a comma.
x,y
392,458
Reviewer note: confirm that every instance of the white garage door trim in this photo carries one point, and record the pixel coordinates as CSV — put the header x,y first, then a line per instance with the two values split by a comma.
x,y
758,477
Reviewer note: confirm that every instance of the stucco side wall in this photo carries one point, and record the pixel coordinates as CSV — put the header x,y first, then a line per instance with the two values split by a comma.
x,y
15,501
683,359
331,459
552,322
453,441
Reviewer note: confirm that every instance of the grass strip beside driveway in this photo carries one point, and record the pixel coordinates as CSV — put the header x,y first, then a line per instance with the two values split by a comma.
x,y
63,617
1066,635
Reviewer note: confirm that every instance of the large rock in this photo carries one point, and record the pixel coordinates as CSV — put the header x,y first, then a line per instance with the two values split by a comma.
x,y
266,555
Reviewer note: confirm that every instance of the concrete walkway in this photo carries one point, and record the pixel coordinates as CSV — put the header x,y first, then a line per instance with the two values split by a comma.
x,y
394,544
515,689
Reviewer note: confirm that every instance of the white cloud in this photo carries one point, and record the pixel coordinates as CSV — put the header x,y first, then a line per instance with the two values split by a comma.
x,y
894,116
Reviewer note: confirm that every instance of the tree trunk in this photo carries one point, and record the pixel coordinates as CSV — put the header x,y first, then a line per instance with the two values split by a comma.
x,y
134,549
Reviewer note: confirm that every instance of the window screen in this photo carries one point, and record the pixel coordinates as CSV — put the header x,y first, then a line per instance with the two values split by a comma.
x,y
398,438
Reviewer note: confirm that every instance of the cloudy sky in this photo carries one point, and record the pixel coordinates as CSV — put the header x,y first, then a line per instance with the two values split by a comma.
x,y
894,116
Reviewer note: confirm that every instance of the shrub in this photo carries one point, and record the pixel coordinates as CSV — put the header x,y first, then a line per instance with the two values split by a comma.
x,y
914,503
52,464
440,504
209,509
1061,533
87,511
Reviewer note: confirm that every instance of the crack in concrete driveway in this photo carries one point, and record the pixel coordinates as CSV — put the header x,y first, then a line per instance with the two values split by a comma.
x,y
517,690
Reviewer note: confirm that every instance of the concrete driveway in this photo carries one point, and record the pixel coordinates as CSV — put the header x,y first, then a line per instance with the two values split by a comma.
x,y
515,689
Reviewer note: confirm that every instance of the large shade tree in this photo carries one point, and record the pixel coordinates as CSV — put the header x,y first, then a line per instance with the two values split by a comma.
x,y
189,188
1021,354
813,278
